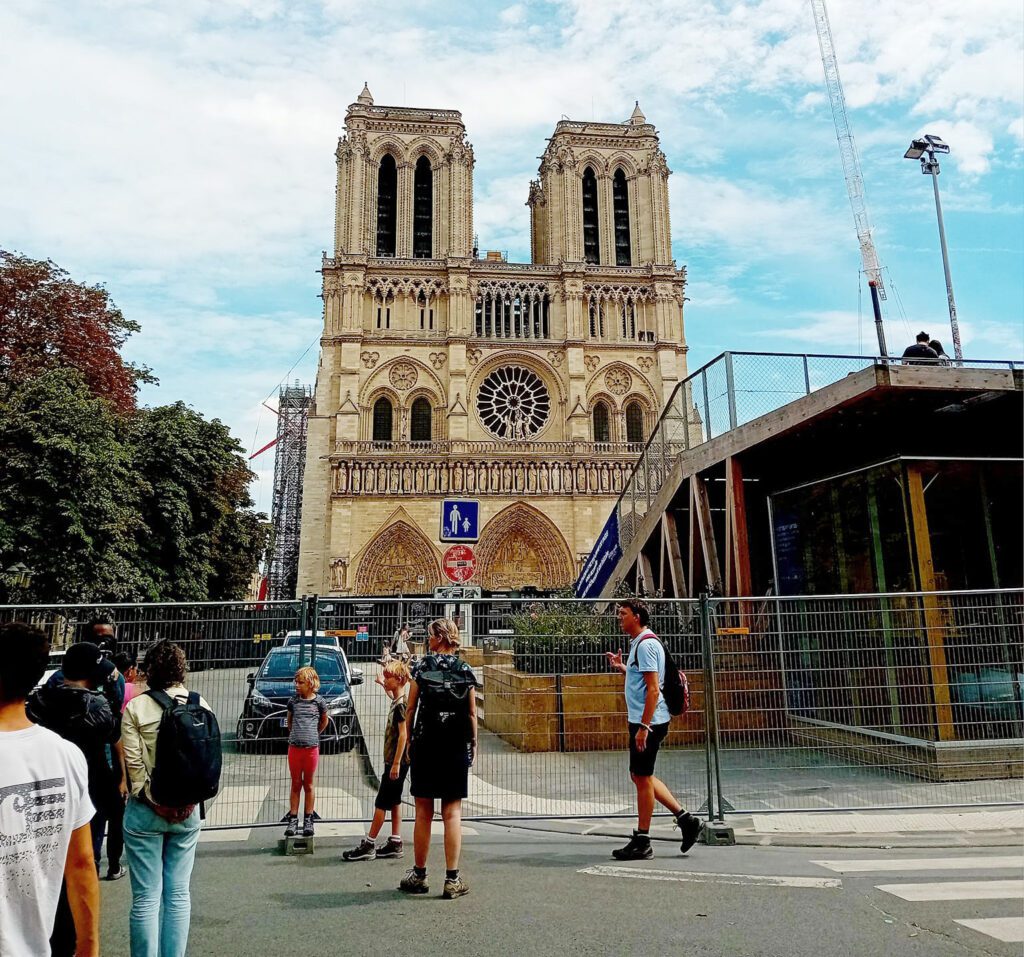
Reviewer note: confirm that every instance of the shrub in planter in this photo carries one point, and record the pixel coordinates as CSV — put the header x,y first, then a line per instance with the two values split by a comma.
x,y
562,638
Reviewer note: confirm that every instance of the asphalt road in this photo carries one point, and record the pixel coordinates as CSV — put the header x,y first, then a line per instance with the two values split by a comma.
x,y
539,894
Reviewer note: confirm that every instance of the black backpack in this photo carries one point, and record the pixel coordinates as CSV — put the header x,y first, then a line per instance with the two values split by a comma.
x,y
188,757
445,684
676,689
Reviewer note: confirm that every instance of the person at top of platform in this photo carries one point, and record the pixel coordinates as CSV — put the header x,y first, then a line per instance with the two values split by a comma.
x,y
920,353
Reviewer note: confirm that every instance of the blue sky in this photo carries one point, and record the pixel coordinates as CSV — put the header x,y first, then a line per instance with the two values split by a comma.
x,y
182,154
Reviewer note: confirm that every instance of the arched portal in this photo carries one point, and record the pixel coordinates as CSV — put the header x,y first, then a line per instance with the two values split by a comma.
x,y
395,561
520,546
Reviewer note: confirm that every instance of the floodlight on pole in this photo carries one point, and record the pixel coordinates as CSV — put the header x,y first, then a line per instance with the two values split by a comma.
x,y
925,148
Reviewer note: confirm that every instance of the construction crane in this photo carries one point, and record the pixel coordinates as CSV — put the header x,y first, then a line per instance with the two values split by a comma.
x,y
851,167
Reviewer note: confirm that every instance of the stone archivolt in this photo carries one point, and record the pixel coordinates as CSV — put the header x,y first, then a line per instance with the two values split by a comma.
x,y
394,562
518,547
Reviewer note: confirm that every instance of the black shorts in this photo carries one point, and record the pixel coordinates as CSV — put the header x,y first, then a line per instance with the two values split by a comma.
x,y
641,763
390,792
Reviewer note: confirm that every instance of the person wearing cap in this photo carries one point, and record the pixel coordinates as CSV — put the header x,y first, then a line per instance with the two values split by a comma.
x,y
77,712
920,353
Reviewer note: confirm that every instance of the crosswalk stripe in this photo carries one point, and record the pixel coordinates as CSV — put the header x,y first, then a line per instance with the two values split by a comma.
x,y
697,877
956,891
225,810
924,864
1007,929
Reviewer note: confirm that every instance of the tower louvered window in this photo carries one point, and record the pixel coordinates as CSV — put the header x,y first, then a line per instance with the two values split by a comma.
x,y
602,425
620,204
423,210
591,248
419,421
382,420
634,423
387,205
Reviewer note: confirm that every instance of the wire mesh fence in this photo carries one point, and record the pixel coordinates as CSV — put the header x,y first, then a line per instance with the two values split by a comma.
x,y
805,703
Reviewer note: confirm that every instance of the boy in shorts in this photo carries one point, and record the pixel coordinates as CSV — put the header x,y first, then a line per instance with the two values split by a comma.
x,y
394,678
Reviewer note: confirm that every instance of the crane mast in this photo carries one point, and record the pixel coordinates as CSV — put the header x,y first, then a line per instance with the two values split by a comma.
x,y
851,166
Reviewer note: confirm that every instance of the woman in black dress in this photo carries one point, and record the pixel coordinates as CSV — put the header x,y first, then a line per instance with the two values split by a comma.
x,y
441,719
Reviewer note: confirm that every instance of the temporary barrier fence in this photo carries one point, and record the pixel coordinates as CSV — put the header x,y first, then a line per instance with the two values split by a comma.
x,y
797,703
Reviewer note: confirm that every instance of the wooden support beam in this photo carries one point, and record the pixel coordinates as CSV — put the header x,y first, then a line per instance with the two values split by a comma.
x,y
675,556
709,548
645,575
737,534
693,546
934,620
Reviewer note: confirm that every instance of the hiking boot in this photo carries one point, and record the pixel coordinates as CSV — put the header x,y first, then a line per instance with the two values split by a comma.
x,y
412,883
365,850
638,849
454,887
691,828
391,848
291,822
307,825
116,873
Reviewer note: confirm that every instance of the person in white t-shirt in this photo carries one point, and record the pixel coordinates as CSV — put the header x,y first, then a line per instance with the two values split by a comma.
x,y
44,813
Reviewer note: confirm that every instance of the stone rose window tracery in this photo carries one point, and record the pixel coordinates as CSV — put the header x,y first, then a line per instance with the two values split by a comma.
x,y
513,403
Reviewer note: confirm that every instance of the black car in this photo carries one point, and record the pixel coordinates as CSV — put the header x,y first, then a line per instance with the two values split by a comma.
x,y
265,713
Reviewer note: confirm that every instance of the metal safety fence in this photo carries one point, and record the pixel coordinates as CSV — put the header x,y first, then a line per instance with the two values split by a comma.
x,y
797,703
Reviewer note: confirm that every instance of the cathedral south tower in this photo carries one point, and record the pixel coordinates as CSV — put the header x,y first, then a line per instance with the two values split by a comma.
x,y
527,388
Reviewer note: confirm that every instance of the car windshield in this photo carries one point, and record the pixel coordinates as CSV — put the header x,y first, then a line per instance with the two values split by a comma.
x,y
281,665
307,640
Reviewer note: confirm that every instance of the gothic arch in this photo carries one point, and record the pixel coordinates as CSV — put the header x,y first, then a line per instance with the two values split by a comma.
x,y
394,560
521,546
623,161
595,161
424,146
381,379
387,145
638,383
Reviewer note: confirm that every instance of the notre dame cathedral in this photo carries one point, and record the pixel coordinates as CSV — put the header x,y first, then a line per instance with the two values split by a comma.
x,y
446,372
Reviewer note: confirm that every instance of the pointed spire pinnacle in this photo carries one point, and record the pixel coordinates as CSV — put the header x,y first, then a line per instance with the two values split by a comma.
x,y
637,118
365,97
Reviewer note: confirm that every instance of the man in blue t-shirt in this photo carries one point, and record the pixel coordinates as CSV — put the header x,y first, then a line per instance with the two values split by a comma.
x,y
648,718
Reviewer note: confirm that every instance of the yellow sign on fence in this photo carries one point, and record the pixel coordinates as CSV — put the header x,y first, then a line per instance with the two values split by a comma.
x,y
732,631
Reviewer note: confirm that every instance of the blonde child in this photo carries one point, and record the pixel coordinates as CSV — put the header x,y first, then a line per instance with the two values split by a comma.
x,y
307,718
394,678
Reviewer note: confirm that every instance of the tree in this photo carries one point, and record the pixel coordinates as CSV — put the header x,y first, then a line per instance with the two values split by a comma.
x,y
69,494
48,321
203,539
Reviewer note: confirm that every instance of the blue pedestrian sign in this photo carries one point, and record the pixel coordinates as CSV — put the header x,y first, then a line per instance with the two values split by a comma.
x,y
460,520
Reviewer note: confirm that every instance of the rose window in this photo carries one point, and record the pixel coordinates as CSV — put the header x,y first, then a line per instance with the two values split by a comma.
x,y
513,403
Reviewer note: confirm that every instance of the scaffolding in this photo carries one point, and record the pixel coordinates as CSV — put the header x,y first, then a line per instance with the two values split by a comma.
x,y
286,510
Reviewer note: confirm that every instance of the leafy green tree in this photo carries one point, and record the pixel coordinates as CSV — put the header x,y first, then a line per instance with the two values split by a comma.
x,y
69,495
203,539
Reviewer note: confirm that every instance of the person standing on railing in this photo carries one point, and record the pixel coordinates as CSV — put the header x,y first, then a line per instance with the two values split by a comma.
x,y
648,717
920,353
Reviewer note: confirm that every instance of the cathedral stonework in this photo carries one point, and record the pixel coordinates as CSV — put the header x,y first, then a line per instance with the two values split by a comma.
x,y
529,387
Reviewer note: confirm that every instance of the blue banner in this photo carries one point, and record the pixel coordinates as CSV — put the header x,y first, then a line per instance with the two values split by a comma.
x,y
602,560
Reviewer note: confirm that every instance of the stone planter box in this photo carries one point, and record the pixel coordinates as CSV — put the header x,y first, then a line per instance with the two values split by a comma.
x,y
587,712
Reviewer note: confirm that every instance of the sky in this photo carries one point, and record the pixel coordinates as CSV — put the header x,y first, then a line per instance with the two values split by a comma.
x,y
182,154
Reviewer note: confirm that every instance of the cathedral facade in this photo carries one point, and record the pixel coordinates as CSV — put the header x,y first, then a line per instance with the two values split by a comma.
x,y
446,373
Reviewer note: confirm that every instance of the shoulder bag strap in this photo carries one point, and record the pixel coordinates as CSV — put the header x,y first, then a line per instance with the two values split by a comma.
x,y
162,698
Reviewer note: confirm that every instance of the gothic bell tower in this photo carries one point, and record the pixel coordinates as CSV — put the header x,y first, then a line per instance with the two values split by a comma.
x,y
602,196
405,183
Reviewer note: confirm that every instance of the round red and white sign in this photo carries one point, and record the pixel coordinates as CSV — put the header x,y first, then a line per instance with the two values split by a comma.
x,y
459,564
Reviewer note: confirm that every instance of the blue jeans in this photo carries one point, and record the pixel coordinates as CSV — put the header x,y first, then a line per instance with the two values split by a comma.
x,y
160,858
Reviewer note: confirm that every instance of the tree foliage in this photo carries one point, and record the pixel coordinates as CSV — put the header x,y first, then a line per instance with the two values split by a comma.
x,y
103,501
47,320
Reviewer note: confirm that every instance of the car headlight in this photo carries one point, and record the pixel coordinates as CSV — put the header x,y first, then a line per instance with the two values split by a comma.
x,y
260,700
341,703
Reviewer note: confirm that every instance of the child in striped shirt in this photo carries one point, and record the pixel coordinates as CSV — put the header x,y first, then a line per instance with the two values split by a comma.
x,y
307,718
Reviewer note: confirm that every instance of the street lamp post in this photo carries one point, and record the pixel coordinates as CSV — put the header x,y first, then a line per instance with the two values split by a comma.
x,y
924,149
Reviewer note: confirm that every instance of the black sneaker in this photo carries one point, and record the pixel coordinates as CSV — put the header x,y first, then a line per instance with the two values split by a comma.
x,y
363,851
291,822
454,887
691,828
412,883
307,826
391,848
638,849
